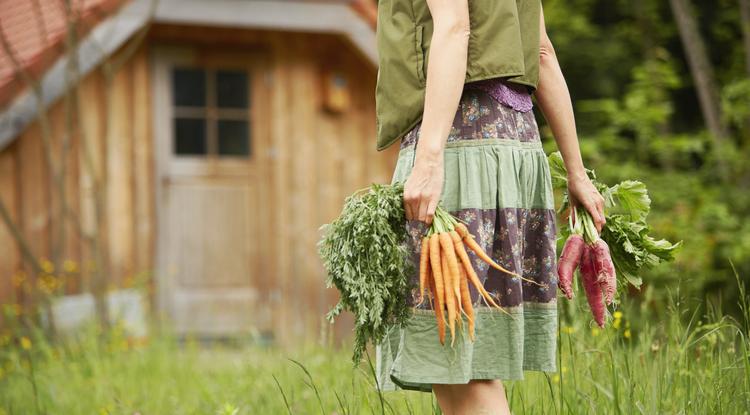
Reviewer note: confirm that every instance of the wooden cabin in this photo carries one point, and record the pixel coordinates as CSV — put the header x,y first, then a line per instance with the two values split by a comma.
x,y
212,138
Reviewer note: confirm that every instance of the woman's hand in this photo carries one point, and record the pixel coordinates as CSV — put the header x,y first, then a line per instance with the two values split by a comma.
x,y
423,188
583,193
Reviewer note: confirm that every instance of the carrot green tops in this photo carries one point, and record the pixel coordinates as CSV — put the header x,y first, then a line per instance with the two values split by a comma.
x,y
504,42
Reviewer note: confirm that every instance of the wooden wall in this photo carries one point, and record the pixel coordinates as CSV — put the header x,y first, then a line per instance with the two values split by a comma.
x,y
315,160
114,126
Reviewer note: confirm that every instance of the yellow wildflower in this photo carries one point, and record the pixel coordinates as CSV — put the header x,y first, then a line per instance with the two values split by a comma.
x,y
595,331
626,333
70,266
616,323
25,343
47,283
47,265
617,314
556,378
564,369
568,329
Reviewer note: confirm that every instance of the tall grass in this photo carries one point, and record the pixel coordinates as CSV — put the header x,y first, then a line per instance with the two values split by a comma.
x,y
651,359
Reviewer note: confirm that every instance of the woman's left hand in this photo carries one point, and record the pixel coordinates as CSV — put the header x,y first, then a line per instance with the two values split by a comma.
x,y
583,193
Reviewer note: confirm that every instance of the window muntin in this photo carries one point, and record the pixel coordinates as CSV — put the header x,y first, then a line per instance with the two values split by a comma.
x,y
211,112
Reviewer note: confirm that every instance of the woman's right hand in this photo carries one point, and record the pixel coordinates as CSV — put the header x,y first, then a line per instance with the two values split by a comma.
x,y
423,188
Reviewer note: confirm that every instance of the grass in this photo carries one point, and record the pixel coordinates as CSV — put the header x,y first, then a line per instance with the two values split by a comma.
x,y
650,359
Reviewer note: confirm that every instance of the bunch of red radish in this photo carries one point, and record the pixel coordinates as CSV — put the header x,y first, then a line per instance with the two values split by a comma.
x,y
585,249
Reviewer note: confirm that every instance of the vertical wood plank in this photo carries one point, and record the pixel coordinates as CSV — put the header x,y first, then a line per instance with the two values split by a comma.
x,y
34,198
73,241
264,158
10,256
303,183
143,166
119,174
91,159
281,99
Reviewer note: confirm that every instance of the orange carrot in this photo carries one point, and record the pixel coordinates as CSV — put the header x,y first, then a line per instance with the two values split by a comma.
x,y
450,298
467,237
423,259
474,246
437,277
430,285
468,308
470,273
449,252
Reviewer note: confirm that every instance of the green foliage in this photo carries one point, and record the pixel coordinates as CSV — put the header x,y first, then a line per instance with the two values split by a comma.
x,y
735,103
638,117
364,252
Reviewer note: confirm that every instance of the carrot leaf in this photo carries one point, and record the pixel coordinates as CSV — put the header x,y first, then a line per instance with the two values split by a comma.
x,y
365,255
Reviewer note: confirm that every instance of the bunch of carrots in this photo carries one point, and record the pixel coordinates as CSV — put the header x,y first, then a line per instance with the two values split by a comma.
x,y
445,271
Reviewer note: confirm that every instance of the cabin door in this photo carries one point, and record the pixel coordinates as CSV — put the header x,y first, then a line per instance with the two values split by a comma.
x,y
209,136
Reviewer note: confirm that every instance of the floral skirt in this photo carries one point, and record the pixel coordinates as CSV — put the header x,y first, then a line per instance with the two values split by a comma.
x,y
497,180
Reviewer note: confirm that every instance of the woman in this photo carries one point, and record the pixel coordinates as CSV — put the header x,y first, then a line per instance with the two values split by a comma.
x,y
477,149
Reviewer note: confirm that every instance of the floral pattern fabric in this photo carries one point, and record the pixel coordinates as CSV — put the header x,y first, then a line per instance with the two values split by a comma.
x,y
479,116
513,95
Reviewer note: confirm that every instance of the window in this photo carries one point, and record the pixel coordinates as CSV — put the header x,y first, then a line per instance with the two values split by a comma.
x,y
211,112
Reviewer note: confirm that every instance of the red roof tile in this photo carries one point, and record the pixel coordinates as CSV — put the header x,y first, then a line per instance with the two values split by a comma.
x,y
35,31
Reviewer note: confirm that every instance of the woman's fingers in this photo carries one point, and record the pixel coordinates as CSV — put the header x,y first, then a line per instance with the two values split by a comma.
x,y
596,210
583,193
423,203
600,209
409,207
427,207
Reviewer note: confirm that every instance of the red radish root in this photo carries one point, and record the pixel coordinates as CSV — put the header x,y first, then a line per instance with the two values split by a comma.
x,y
591,285
569,260
604,269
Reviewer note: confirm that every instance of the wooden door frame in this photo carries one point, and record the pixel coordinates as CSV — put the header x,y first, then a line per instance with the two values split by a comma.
x,y
162,58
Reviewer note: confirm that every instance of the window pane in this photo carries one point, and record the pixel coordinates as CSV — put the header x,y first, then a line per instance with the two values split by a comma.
x,y
231,89
189,87
233,138
190,136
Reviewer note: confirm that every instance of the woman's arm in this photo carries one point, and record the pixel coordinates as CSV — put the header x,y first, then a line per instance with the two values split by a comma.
x,y
446,73
554,101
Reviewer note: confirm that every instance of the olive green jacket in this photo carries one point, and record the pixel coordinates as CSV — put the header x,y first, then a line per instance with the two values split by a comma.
x,y
504,41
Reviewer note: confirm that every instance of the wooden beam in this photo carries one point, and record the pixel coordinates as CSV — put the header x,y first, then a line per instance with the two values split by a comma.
x,y
304,16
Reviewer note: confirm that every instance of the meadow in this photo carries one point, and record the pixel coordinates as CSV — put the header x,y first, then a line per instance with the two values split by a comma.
x,y
653,357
